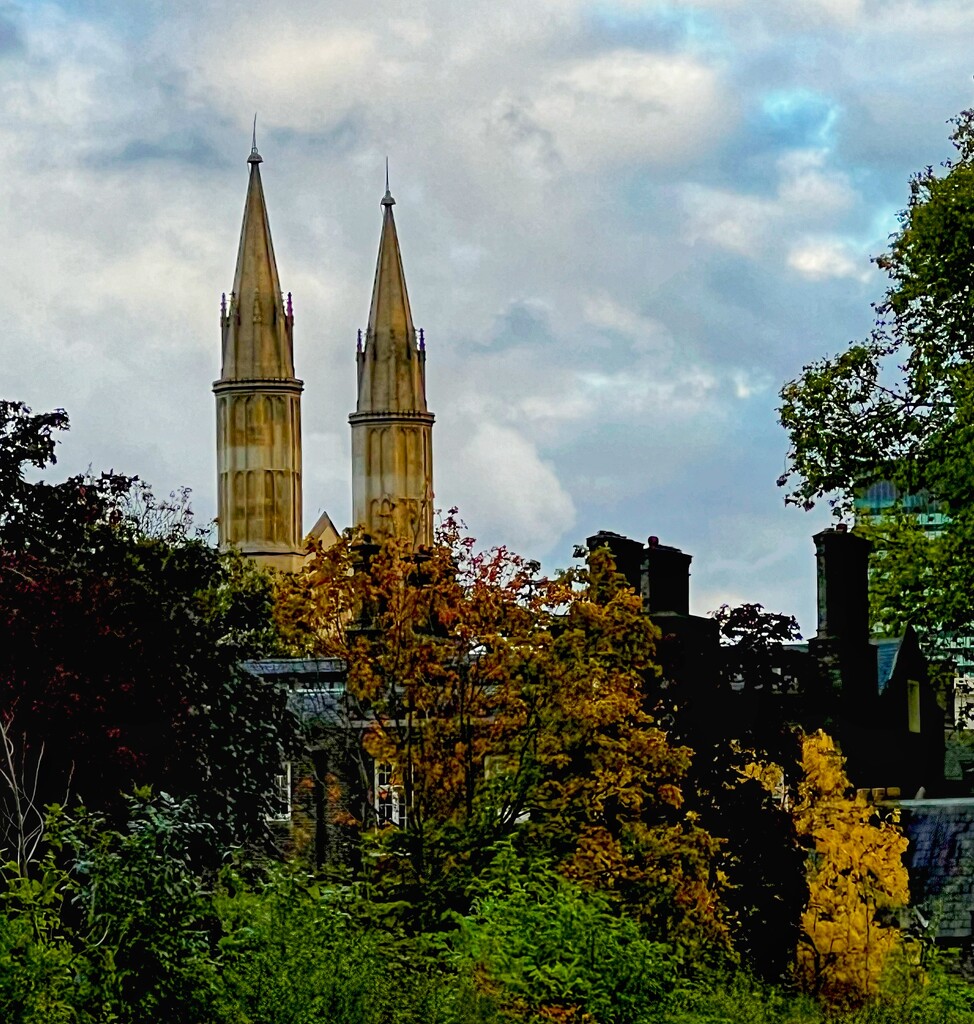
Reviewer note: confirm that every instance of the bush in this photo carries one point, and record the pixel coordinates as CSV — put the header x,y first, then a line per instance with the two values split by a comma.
x,y
298,952
37,964
111,925
548,949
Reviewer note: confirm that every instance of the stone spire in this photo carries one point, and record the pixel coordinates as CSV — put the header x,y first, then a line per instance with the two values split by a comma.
x,y
258,402
392,456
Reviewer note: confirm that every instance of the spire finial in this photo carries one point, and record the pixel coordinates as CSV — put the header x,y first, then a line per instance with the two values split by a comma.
x,y
387,199
255,157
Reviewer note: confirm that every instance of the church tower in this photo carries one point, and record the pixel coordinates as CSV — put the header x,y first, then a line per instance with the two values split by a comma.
x,y
258,402
392,448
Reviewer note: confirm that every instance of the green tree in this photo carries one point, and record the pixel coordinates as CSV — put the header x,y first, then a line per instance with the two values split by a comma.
x,y
122,635
898,406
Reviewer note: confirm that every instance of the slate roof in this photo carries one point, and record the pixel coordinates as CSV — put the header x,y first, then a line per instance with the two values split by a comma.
x,y
940,859
887,650
316,687
886,653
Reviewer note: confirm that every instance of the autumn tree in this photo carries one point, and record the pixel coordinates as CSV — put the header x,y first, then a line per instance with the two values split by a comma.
x,y
855,874
122,637
503,702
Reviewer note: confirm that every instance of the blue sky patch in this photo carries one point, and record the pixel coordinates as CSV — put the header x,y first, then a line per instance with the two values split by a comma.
x,y
800,117
665,27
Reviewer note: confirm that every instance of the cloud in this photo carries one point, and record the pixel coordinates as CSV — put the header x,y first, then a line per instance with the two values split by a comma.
x,y
821,258
738,223
629,105
808,186
623,224
301,77
506,491
648,334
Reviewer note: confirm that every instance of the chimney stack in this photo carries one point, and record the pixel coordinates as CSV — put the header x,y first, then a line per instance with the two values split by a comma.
x,y
660,574
842,563
667,578
626,553
841,644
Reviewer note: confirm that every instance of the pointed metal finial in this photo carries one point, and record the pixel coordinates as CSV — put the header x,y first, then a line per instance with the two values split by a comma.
x,y
387,199
290,307
359,345
255,157
422,340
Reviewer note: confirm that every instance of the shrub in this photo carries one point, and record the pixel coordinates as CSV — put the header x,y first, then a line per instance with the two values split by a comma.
x,y
548,949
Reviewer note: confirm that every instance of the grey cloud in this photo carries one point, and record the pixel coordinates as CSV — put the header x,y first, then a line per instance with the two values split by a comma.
x,y
580,310
11,38
176,148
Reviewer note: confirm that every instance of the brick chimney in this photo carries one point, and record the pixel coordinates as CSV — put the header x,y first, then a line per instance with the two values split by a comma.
x,y
842,642
627,554
667,578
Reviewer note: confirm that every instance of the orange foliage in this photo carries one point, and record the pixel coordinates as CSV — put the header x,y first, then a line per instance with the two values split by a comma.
x,y
463,661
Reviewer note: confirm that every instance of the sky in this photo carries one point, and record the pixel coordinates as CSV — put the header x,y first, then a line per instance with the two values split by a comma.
x,y
624,226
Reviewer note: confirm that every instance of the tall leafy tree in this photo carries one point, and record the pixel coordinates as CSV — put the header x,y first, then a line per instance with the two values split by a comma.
x,y
898,406
121,640
505,703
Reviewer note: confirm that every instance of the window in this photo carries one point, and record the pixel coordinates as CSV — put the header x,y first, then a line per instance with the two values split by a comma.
x,y
390,796
281,795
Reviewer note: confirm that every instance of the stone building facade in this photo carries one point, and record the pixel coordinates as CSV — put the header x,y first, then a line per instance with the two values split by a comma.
x,y
258,407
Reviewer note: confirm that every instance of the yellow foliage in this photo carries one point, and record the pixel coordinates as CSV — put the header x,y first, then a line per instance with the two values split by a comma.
x,y
855,871
508,701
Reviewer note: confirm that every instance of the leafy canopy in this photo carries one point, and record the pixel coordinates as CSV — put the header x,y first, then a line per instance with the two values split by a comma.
x,y
897,409
123,634
899,405
506,703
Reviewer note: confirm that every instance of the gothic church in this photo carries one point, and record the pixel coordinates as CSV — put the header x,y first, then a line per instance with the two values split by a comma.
x,y
258,407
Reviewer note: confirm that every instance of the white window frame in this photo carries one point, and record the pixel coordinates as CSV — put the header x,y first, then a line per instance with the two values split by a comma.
x,y
390,797
281,795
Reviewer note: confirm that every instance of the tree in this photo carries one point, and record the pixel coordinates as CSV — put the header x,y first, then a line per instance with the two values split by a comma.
x,y
855,874
899,406
121,652
747,715
492,701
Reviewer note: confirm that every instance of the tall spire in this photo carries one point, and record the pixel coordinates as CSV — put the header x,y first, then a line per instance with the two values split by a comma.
x,y
392,487
259,400
257,341
392,377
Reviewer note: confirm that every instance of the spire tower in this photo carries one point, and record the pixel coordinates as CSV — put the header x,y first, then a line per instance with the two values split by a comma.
x,y
392,452
258,401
